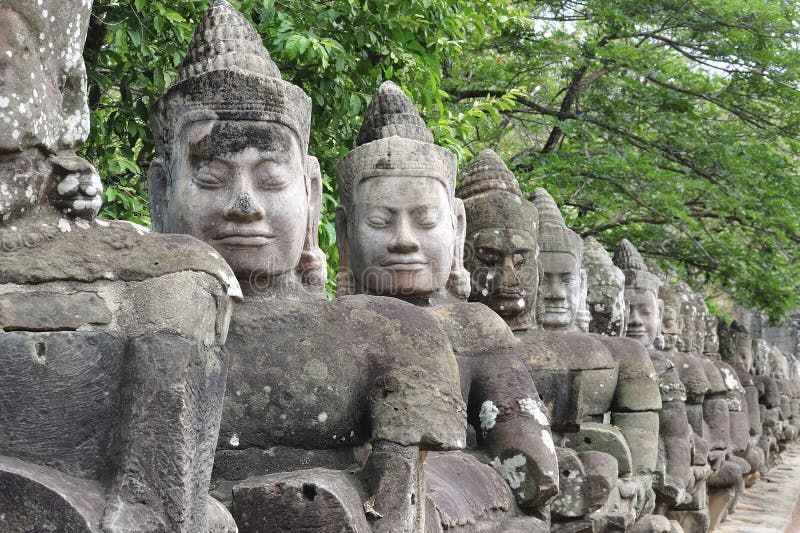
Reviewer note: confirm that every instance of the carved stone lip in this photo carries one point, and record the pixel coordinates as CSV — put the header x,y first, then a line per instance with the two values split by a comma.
x,y
245,240
506,292
405,266
635,333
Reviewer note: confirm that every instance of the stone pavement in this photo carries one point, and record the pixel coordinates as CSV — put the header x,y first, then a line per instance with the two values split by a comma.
x,y
771,505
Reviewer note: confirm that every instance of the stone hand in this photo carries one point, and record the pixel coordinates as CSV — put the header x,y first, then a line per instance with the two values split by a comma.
x,y
79,189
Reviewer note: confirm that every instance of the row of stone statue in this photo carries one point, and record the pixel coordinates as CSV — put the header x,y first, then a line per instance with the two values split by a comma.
x,y
482,368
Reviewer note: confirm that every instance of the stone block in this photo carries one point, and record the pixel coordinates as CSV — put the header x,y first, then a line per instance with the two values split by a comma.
x,y
593,436
315,500
50,311
641,433
38,498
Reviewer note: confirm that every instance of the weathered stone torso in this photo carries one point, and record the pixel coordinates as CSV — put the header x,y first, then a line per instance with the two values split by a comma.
x,y
321,375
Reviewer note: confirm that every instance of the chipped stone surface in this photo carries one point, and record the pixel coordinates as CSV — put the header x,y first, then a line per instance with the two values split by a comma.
x,y
43,311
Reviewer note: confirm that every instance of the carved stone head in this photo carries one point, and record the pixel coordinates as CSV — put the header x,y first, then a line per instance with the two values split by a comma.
x,y
43,109
693,311
742,345
232,167
399,227
500,251
711,345
641,292
671,318
605,285
561,280
762,364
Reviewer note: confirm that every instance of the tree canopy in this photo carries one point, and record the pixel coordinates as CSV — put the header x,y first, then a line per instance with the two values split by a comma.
x,y
673,123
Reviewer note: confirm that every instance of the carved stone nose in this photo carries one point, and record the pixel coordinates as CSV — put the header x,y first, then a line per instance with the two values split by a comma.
x,y
243,207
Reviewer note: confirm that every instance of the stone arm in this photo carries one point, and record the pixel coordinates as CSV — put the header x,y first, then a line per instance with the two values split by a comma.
x,y
503,403
512,427
415,406
174,379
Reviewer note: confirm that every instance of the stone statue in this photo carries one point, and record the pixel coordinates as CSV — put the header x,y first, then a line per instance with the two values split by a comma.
x,y
681,460
502,235
110,338
400,232
708,409
330,406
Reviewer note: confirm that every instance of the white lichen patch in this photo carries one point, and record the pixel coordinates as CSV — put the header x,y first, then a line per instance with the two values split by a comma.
x,y
530,406
547,438
234,440
488,415
730,380
81,223
510,469
63,225
322,417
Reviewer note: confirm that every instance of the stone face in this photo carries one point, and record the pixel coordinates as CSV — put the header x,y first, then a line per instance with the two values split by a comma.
x,y
560,255
605,284
501,240
418,252
42,75
231,114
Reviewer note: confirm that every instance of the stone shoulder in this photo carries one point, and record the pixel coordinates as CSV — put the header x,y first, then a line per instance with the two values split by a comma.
x,y
473,328
564,350
102,250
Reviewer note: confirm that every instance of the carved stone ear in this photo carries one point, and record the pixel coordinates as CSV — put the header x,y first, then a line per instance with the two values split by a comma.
x,y
158,183
660,314
313,265
459,283
314,180
345,281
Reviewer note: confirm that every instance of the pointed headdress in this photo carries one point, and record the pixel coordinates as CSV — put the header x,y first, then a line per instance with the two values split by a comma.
x,y
229,75
394,140
637,276
554,235
492,197
600,269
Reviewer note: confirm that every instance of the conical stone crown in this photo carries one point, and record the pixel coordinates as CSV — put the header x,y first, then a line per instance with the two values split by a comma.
x,y
393,141
392,113
627,257
548,209
487,172
228,75
492,197
554,235
224,39
600,269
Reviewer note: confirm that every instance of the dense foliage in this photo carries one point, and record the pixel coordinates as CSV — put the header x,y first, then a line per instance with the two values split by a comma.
x,y
671,122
